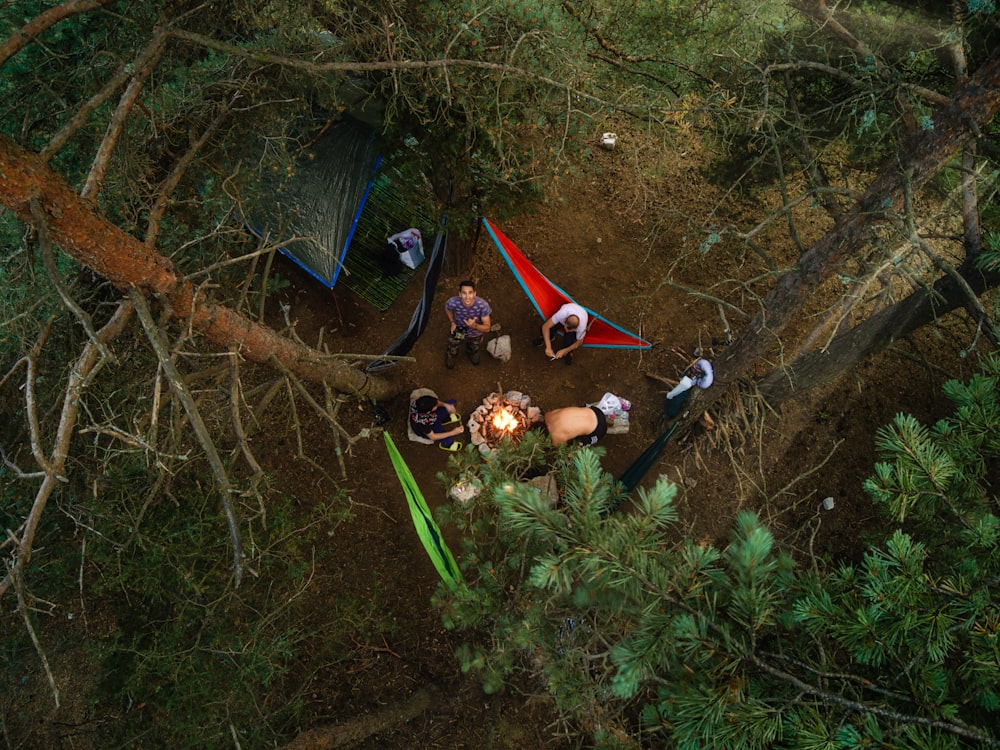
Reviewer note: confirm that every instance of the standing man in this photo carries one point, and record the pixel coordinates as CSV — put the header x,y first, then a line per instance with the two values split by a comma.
x,y
571,322
469,315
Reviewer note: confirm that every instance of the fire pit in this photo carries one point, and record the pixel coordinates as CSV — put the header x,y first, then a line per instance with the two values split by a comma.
x,y
502,416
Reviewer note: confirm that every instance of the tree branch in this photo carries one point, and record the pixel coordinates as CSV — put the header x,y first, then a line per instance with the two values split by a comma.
x,y
180,389
43,21
391,65
48,259
86,367
102,160
126,262
864,708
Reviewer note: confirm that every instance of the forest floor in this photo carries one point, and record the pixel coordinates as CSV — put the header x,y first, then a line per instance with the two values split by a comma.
x,y
594,236
622,232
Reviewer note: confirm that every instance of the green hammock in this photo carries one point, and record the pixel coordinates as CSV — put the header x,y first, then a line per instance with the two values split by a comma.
x,y
427,530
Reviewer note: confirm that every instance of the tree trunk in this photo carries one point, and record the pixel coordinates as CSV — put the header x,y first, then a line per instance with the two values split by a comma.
x,y
972,106
847,350
128,263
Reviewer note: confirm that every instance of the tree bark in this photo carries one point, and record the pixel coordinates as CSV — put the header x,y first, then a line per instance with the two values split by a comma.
x,y
849,349
127,263
346,735
971,107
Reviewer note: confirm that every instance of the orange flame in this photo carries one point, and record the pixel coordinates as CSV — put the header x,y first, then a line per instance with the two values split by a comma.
x,y
504,420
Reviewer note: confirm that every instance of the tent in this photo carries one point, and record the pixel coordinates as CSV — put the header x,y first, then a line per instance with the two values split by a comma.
x,y
548,298
320,206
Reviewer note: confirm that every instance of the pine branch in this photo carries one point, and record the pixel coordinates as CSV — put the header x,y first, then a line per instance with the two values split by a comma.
x,y
960,730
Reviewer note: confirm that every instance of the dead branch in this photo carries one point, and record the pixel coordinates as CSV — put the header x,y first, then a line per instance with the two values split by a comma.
x,y
86,367
180,389
235,400
82,115
353,732
31,403
23,36
972,303
393,65
22,607
333,405
351,440
116,125
263,285
169,184
709,298
48,259
823,16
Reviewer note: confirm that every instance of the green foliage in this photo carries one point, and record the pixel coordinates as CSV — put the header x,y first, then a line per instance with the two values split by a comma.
x,y
185,656
634,629
202,656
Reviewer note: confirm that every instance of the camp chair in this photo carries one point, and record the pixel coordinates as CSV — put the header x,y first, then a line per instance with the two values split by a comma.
x,y
409,428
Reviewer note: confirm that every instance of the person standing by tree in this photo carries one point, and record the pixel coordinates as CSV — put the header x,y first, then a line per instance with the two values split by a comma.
x,y
469,315
571,322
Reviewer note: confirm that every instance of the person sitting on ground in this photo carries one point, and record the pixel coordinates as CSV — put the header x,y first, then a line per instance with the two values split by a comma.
x,y
571,322
438,421
469,316
584,424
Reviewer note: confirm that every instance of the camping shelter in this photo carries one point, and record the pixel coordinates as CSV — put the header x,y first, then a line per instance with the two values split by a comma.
x,y
335,212
318,209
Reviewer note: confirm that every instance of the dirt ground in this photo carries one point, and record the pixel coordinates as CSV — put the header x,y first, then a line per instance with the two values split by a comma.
x,y
595,237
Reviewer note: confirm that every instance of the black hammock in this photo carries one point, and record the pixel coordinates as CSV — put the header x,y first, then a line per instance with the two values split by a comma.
x,y
421,314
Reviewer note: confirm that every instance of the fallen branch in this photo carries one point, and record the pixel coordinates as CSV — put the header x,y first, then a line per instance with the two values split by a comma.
x,y
87,365
353,732
180,389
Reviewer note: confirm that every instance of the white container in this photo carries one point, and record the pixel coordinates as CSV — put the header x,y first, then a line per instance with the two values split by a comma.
x,y
828,503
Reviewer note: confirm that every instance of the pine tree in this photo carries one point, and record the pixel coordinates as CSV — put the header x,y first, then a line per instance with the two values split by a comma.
x,y
644,636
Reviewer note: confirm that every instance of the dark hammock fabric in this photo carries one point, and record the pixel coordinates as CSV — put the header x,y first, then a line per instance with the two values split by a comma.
x,y
633,474
421,315
631,477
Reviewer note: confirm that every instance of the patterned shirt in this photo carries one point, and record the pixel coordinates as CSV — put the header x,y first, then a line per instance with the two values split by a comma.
x,y
463,315
423,423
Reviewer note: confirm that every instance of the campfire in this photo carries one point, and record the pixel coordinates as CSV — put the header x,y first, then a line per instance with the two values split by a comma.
x,y
502,416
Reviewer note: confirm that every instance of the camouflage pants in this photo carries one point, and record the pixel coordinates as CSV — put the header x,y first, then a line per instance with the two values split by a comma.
x,y
471,347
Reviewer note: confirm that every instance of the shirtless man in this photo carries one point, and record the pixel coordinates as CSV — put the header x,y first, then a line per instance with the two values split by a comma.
x,y
584,424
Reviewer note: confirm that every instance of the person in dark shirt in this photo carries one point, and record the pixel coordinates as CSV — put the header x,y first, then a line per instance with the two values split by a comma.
x,y
438,421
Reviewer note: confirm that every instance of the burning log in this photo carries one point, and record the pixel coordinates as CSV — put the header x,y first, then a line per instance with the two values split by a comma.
x,y
500,417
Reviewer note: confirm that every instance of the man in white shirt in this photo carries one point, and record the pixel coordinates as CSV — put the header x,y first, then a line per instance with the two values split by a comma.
x,y
571,322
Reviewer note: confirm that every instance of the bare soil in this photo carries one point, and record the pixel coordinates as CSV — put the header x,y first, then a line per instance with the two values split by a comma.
x,y
593,235
623,232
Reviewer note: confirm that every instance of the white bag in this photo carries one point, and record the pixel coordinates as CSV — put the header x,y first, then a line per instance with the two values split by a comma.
x,y
616,410
499,348
410,247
